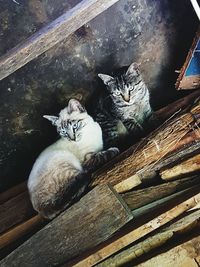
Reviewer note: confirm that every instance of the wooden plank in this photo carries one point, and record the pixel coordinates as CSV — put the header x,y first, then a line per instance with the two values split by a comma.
x,y
15,211
179,228
12,192
188,166
20,230
92,220
135,199
155,147
138,233
52,34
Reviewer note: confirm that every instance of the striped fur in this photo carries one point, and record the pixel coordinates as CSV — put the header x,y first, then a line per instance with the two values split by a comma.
x,y
125,110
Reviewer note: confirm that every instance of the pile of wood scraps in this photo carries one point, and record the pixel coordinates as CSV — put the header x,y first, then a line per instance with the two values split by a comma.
x,y
144,200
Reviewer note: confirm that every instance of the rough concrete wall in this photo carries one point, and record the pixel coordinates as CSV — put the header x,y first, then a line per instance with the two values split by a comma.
x,y
156,34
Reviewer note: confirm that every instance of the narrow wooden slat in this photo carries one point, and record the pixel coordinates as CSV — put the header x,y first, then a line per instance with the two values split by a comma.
x,y
89,222
12,192
20,230
15,211
52,34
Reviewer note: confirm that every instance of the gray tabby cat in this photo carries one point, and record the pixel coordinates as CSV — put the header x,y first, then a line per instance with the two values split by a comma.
x,y
126,110
60,173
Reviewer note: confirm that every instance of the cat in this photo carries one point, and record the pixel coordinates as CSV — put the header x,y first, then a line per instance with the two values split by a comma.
x,y
61,172
125,112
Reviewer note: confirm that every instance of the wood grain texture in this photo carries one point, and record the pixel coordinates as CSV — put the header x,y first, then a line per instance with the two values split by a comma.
x,y
139,232
177,229
15,211
51,34
155,147
138,198
188,166
92,220
20,230
12,192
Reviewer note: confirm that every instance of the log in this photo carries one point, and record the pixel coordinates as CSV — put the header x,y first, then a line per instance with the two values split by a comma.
x,y
15,211
181,227
138,198
156,147
188,166
51,34
138,233
87,223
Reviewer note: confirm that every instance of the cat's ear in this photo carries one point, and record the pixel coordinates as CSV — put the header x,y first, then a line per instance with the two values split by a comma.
x,y
52,119
133,70
106,78
75,105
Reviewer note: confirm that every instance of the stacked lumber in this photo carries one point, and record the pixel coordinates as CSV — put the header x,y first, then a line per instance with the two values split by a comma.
x,y
152,199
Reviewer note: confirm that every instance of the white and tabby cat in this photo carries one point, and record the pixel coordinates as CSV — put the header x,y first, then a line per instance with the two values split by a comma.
x,y
125,109
61,172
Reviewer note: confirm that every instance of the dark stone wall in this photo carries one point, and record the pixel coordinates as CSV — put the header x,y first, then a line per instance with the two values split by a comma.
x,y
156,34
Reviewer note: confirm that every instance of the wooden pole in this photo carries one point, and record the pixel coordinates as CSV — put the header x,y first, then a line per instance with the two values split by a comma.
x,y
52,34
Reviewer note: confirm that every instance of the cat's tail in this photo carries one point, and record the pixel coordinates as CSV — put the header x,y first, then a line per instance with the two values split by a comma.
x,y
71,193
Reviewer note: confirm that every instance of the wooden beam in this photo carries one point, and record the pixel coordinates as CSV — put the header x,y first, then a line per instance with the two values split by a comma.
x,y
52,34
86,224
12,192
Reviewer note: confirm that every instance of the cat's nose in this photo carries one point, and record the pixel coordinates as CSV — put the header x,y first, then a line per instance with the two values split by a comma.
x,y
126,98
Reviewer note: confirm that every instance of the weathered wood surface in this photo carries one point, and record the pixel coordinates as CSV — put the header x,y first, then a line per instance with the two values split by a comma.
x,y
15,211
51,34
21,230
186,254
154,148
12,192
188,166
89,222
138,198
177,229
139,232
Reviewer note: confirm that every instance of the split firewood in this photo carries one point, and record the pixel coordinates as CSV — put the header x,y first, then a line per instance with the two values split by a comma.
x,y
136,234
188,166
157,146
181,227
138,198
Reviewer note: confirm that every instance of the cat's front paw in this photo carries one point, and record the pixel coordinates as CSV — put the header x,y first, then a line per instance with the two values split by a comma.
x,y
114,151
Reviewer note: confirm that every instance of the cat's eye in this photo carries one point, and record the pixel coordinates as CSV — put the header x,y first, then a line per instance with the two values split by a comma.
x,y
117,92
75,125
